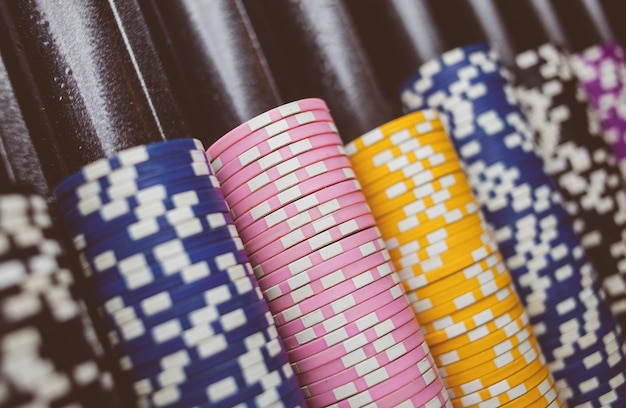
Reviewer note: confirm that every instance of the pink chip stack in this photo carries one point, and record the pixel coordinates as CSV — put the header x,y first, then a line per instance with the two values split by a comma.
x,y
342,314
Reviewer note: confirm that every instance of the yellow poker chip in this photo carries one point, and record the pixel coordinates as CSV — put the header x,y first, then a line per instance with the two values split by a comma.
x,y
480,377
492,357
468,292
439,267
518,328
442,250
446,315
460,203
413,149
382,140
531,375
425,235
404,167
471,275
540,395
484,336
391,187
411,252
421,122
549,399
522,391
463,327
433,148
486,375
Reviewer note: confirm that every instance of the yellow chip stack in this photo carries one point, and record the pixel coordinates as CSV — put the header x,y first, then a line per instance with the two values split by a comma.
x,y
453,274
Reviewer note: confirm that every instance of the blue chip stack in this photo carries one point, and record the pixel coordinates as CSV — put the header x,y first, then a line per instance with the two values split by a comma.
x,y
184,315
571,317
580,161
47,354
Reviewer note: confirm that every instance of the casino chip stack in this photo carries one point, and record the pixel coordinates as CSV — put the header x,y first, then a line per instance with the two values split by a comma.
x,y
463,296
184,314
580,162
47,354
570,315
344,318
601,70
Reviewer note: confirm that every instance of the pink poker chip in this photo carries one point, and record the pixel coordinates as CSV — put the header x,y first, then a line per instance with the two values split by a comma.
x,y
258,190
283,242
369,236
263,120
249,228
343,367
291,306
433,394
372,313
245,214
350,307
282,161
342,340
311,244
395,329
268,234
378,383
348,264
279,128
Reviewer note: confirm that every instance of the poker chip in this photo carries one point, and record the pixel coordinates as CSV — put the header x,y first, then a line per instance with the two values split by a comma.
x,y
434,237
580,161
536,236
320,260
601,75
176,295
49,355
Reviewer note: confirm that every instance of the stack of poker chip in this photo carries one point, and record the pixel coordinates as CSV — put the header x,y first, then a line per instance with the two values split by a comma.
x,y
183,312
462,294
601,71
580,161
48,353
571,318
348,328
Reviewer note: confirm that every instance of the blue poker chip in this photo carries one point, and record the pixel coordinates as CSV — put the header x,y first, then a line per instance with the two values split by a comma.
x,y
507,150
539,209
201,275
170,174
249,399
446,67
568,343
257,320
483,95
118,266
196,304
177,377
220,352
161,191
600,373
168,276
165,165
594,398
562,288
563,332
293,398
185,323
123,244
100,233
122,213
140,154
202,280
195,392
